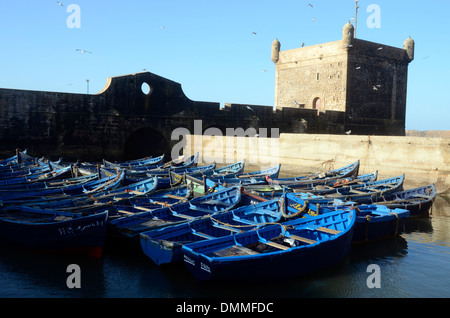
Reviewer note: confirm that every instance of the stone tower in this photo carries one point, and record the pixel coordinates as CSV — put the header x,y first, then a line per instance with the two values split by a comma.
x,y
366,80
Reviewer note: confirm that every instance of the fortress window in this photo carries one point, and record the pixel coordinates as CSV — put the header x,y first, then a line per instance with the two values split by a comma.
x,y
146,89
317,76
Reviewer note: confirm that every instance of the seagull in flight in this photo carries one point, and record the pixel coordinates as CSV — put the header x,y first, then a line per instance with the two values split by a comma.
x,y
310,5
83,51
59,3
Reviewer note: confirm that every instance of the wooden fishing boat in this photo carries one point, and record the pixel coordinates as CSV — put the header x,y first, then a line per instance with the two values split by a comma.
x,y
324,178
417,201
253,177
163,245
218,201
147,162
373,222
376,222
164,197
53,231
16,197
182,162
362,192
86,202
271,190
133,222
229,170
48,184
273,252
44,173
19,158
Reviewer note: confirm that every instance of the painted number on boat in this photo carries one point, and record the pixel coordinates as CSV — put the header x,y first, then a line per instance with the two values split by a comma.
x,y
205,267
189,260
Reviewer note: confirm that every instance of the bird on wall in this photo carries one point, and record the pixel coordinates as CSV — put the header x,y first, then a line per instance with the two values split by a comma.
x,y
348,132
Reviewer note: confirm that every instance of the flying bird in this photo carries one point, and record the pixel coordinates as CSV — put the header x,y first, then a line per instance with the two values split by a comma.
x,y
59,3
310,5
253,33
83,51
248,107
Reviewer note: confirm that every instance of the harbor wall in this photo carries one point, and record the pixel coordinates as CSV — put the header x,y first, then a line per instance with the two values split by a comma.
x,y
422,160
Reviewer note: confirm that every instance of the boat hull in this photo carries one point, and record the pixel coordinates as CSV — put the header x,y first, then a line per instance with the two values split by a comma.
x,y
84,235
294,262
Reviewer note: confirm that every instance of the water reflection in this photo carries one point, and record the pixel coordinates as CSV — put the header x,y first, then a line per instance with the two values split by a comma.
x,y
25,273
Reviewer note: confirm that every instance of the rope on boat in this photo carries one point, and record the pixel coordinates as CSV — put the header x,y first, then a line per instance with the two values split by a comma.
x,y
290,216
396,222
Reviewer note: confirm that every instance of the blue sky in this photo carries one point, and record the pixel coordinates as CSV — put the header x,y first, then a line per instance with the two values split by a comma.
x,y
210,48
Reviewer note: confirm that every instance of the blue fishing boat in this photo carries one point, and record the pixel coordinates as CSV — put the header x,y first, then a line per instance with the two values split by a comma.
x,y
218,201
328,177
229,170
373,222
133,222
53,231
91,201
182,162
417,201
376,222
273,252
164,197
64,190
163,245
147,162
363,192
272,190
253,177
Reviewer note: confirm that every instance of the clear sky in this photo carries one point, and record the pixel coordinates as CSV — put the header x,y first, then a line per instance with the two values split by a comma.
x,y
219,51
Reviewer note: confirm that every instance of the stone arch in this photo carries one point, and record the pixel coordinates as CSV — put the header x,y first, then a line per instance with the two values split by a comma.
x,y
145,142
317,103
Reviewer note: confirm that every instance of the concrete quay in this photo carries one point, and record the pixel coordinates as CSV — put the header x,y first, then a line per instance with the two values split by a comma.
x,y
423,160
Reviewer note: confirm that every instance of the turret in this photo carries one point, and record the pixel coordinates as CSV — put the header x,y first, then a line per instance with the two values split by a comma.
x,y
408,45
275,51
348,33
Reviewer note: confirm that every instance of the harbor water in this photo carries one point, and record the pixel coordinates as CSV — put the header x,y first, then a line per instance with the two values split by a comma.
x,y
415,264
